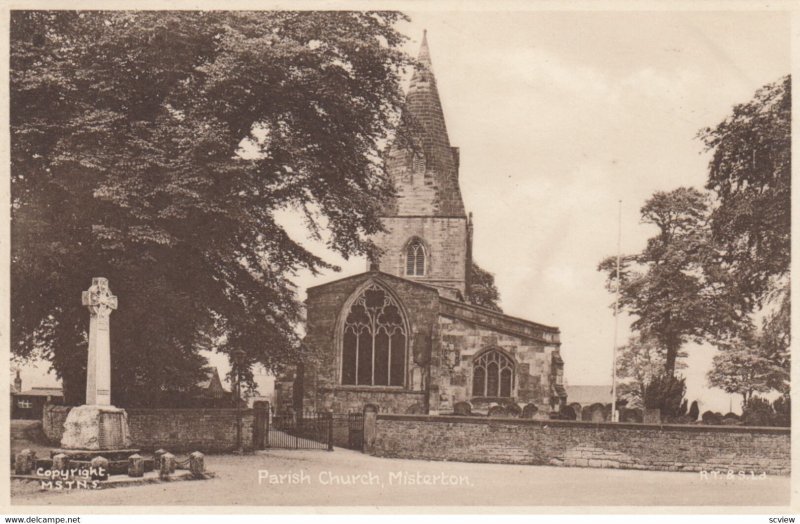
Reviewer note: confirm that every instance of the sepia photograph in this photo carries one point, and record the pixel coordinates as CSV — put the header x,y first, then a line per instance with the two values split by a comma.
x,y
416,257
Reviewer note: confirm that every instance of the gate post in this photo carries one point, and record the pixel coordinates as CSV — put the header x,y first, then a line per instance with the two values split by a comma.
x,y
370,423
329,417
260,423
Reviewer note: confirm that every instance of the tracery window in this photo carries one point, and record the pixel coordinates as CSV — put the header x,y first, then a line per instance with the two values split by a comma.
x,y
492,375
415,259
374,341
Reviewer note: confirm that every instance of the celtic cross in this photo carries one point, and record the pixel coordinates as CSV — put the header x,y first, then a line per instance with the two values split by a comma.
x,y
98,298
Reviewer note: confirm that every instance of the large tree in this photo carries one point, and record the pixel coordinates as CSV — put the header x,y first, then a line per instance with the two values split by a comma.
x,y
750,177
155,149
665,287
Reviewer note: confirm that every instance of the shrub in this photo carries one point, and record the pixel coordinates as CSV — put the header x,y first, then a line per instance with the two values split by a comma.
x,y
666,392
711,418
694,411
758,412
783,409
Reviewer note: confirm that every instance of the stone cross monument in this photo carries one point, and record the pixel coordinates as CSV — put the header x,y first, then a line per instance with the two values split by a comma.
x,y
101,303
97,427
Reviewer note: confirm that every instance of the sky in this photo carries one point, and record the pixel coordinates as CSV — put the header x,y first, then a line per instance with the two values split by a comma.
x,y
558,117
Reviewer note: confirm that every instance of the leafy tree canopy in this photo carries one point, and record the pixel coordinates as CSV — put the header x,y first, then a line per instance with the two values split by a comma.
x,y
750,176
482,289
665,286
155,149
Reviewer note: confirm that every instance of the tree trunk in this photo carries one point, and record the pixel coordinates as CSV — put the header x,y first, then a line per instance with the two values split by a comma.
x,y
672,355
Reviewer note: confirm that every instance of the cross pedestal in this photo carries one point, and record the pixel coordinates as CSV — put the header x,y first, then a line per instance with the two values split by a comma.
x,y
97,427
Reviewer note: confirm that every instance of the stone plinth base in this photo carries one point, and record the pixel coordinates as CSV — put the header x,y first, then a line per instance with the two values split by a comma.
x,y
88,454
94,428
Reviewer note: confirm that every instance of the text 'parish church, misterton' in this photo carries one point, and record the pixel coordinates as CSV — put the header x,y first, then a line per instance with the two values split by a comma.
x,y
401,335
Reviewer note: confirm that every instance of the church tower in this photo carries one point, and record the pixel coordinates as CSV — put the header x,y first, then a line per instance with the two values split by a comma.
x,y
428,236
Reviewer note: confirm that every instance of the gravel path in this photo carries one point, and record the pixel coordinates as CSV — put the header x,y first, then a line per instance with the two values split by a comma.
x,y
349,478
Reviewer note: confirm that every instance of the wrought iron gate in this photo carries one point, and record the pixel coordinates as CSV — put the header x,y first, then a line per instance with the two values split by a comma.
x,y
300,431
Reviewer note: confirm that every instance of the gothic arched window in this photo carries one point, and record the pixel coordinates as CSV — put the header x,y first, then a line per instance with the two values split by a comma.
x,y
492,375
374,341
415,259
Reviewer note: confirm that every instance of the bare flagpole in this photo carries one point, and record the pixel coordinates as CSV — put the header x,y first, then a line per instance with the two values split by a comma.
x,y
614,415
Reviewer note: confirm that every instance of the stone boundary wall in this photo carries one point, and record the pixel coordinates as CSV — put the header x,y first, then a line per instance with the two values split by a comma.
x,y
176,430
588,444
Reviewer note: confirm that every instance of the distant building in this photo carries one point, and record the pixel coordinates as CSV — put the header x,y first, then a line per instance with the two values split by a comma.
x,y
212,387
30,404
213,394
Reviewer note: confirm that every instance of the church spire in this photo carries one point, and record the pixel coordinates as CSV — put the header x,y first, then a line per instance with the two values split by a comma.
x,y
432,154
426,226
424,53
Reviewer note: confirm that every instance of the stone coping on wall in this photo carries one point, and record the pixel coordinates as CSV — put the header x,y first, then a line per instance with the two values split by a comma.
x,y
584,424
372,389
195,410
242,410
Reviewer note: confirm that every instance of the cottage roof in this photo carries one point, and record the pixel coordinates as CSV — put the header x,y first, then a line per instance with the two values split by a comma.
x,y
42,392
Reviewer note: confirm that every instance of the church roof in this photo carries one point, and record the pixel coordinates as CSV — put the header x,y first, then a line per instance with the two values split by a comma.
x,y
423,134
469,312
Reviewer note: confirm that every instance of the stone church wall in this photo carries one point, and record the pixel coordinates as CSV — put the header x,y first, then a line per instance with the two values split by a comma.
x,y
445,241
462,340
321,388
586,444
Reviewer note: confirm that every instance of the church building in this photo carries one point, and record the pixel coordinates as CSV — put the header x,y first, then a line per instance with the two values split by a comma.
x,y
403,335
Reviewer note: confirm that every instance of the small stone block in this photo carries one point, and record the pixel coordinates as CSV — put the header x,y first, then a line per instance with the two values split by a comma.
x,y
135,465
157,456
24,462
197,464
99,466
60,462
167,465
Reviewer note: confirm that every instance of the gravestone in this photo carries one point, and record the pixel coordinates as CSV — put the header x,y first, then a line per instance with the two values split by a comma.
x,y
567,413
652,416
529,411
97,426
462,408
498,412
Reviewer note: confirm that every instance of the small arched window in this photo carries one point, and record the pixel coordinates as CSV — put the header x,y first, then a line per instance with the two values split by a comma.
x,y
492,375
415,259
